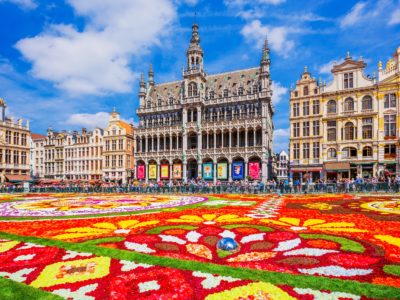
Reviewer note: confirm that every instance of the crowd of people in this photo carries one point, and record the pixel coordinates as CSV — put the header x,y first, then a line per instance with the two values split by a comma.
x,y
375,184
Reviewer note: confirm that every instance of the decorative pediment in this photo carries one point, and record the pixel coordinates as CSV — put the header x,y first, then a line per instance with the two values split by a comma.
x,y
395,78
348,64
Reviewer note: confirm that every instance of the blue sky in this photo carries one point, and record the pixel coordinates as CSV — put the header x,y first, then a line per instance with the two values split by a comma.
x,y
66,64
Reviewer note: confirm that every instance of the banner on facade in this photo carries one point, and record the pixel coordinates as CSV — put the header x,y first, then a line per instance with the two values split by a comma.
x,y
164,171
152,171
141,172
254,170
177,171
222,171
208,171
237,170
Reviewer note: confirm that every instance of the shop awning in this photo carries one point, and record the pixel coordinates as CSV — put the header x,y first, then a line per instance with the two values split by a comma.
x,y
18,178
305,170
337,166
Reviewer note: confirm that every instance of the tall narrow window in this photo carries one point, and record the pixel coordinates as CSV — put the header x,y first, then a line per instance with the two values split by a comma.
x,y
296,151
331,127
296,109
348,80
331,107
390,100
349,105
296,129
316,107
390,126
306,108
315,128
366,103
306,128
367,128
306,150
316,149
305,91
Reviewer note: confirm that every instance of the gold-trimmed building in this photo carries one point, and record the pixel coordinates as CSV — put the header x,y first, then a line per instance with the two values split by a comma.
x,y
14,148
359,123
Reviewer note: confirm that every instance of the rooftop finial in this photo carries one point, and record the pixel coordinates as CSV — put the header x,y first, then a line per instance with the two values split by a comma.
x,y
266,43
114,109
348,55
305,69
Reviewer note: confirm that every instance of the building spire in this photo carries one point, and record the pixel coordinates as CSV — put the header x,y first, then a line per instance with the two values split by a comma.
x,y
151,75
142,84
265,52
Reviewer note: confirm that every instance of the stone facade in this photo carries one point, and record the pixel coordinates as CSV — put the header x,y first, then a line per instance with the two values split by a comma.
x,y
204,126
282,164
37,155
118,150
358,119
14,148
83,155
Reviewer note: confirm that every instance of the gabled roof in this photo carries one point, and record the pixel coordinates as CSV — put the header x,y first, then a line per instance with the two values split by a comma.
x,y
349,64
37,136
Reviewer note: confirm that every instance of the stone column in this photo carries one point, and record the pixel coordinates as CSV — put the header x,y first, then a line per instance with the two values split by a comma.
x,y
215,140
207,137
158,143
184,171
199,142
254,137
237,139
230,138
158,171
215,172
170,171
199,165
230,171
222,139
264,171
245,138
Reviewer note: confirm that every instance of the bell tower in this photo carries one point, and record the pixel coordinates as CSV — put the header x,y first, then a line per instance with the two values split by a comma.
x,y
195,53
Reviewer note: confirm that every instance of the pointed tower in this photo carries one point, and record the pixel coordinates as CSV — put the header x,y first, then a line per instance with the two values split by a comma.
x,y
265,65
142,91
195,53
3,106
151,76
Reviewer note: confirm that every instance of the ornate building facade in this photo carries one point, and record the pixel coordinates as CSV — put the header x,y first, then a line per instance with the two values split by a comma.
x,y
281,165
359,123
37,155
118,150
83,155
215,127
14,148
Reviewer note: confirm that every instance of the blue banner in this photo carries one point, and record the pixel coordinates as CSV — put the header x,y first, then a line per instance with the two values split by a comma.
x,y
237,170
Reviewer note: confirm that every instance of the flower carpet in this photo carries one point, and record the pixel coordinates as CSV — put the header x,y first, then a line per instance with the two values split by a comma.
x,y
127,246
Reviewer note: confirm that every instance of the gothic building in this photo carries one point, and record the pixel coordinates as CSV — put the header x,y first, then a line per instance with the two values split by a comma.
x,y
215,127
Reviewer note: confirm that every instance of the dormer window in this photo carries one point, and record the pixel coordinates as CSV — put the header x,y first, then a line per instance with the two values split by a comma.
x,y
159,102
148,104
225,93
348,80
171,101
240,91
296,93
305,91
212,95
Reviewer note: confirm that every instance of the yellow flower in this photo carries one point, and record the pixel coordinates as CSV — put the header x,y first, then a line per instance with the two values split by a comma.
x,y
314,224
104,228
319,206
389,239
209,219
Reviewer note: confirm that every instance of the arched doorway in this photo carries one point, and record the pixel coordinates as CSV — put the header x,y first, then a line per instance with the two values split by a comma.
x,y
192,169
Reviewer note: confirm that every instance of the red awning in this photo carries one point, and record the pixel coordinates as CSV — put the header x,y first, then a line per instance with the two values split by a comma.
x,y
18,178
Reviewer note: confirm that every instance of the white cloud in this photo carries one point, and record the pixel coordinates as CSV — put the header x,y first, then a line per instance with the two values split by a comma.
x,y
24,4
278,92
281,139
395,17
91,121
255,33
96,60
354,15
326,68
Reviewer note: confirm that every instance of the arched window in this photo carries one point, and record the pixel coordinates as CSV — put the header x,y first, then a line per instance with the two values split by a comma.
x,y
348,105
367,151
148,104
366,103
349,152
349,131
332,153
331,106
212,94
225,93
192,90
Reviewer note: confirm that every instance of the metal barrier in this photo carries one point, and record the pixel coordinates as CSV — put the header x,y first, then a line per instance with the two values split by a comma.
x,y
314,188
